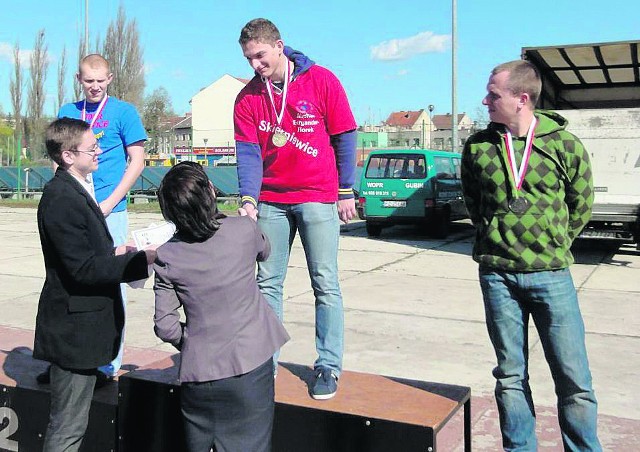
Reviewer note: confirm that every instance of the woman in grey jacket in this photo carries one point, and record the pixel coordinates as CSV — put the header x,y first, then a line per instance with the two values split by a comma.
x,y
230,332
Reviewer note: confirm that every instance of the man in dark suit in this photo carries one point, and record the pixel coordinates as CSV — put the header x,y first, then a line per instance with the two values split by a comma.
x,y
80,315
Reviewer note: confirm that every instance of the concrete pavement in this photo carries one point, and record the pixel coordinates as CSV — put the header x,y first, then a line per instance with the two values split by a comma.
x,y
413,309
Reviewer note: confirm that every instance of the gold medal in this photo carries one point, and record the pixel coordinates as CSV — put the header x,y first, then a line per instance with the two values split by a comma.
x,y
279,139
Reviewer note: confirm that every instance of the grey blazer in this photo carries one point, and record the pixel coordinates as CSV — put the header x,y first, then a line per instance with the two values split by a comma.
x,y
230,329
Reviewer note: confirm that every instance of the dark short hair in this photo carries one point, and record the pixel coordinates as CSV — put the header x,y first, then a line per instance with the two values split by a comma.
x,y
64,134
188,201
259,30
524,77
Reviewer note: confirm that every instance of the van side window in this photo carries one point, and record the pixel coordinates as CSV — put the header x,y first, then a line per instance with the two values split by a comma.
x,y
456,165
442,166
396,166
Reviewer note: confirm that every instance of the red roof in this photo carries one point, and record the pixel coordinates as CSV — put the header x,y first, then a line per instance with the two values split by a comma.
x,y
443,122
243,80
403,118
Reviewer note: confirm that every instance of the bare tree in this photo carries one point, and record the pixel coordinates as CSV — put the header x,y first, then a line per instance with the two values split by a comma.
x,y
16,86
77,88
36,96
122,49
62,73
481,118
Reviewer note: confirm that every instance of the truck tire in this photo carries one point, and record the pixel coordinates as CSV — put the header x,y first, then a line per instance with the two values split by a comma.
x,y
373,230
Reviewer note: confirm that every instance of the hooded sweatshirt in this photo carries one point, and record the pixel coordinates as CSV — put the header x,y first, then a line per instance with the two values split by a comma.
x,y
558,188
317,161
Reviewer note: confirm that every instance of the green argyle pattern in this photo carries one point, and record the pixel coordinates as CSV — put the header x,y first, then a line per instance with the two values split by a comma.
x,y
558,186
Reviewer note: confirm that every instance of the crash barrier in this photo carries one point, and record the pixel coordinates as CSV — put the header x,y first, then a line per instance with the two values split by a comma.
x,y
225,178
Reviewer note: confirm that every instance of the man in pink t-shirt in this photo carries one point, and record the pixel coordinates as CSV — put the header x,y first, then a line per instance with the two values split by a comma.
x,y
296,146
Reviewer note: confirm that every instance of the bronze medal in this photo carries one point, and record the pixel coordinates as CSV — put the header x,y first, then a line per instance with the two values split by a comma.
x,y
279,139
518,205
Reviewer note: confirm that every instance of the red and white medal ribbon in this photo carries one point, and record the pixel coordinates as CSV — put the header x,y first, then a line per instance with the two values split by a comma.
x,y
96,113
280,115
519,173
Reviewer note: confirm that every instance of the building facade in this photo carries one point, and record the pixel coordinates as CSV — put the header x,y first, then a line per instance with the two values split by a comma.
x,y
212,116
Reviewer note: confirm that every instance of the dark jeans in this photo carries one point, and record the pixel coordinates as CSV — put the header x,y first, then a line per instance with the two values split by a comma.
x,y
233,414
71,394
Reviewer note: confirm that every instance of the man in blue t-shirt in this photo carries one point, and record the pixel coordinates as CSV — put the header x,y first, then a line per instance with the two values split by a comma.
x,y
121,136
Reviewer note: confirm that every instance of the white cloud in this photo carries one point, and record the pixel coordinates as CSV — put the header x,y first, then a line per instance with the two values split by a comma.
x,y
6,53
179,74
402,49
150,67
396,75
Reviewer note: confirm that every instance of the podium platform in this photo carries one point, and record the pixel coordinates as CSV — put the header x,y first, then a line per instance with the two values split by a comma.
x,y
24,403
370,413
24,407
141,411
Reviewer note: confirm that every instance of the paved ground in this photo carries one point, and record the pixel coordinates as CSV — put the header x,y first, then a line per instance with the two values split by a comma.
x,y
412,309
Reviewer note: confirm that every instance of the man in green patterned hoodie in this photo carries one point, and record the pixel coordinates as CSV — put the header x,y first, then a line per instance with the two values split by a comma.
x,y
528,188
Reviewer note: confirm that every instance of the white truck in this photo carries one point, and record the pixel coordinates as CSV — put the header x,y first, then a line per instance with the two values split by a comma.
x,y
597,88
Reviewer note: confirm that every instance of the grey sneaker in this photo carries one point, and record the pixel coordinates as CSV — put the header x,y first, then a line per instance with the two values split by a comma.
x,y
326,384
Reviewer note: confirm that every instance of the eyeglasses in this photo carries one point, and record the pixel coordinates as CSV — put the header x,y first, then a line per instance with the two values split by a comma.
x,y
91,151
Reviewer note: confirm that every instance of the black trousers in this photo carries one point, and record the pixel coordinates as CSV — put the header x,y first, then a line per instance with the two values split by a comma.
x,y
71,395
233,414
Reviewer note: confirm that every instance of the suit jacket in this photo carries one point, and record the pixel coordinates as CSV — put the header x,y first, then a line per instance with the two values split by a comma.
x,y
230,329
80,314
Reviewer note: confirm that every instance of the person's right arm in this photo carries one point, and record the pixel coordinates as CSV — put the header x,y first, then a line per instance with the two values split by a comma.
x,y
249,159
248,154
66,225
470,185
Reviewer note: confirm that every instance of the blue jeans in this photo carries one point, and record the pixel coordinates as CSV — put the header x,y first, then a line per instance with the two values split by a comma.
x,y
319,229
551,300
118,224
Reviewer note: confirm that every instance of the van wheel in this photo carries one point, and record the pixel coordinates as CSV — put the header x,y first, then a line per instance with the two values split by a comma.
x,y
373,230
440,225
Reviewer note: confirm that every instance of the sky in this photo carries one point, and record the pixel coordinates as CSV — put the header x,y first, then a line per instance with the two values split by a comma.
x,y
390,56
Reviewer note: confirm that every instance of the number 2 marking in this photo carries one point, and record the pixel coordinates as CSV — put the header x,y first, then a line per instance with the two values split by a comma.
x,y
8,430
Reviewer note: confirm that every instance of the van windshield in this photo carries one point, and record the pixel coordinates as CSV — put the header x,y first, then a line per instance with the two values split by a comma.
x,y
396,166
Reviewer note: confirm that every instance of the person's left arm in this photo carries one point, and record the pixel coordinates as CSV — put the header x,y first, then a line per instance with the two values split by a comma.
x,y
579,191
166,319
344,145
133,136
341,126
131,174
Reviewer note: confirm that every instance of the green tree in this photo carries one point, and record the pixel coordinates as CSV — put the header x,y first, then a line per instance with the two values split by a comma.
x,y
6,145
155,115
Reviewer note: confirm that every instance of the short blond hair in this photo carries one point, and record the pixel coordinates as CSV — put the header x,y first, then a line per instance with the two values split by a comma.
x,y
94,61
524,77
